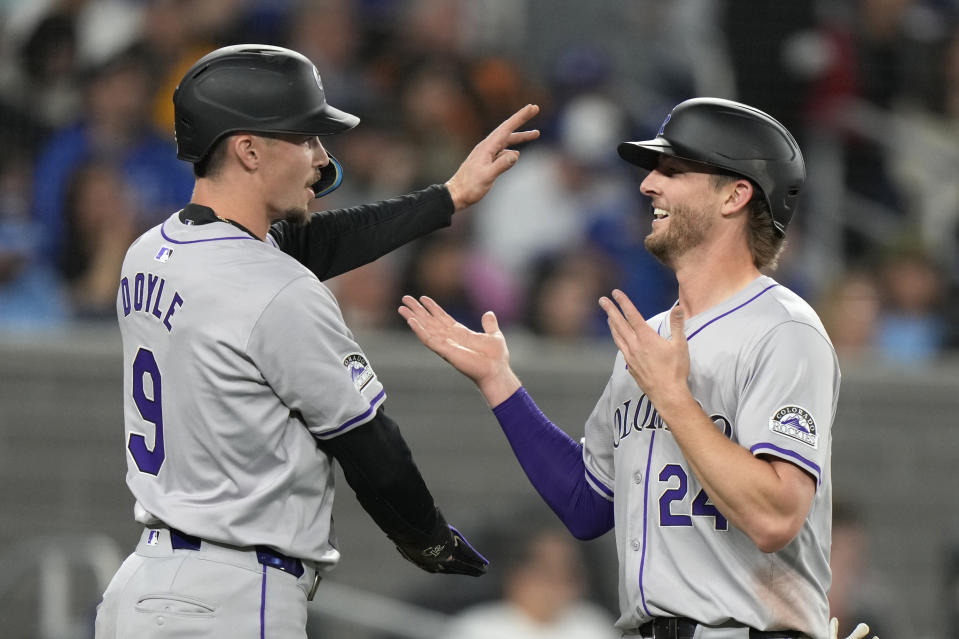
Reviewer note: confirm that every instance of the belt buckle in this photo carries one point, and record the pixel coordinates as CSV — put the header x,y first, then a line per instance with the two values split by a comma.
x,y
316,584
666,628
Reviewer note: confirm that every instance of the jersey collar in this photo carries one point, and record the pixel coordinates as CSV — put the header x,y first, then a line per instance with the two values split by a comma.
x,y
199,214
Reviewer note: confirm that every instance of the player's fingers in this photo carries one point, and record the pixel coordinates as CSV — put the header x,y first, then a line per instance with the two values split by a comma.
x,y
424,335
430,323
412,307
860,632
834,628
436,342
677,324
625,346
618,338
622,332
504,161
500,135
490,325
521,137
437,311
632,315
515,121
616,319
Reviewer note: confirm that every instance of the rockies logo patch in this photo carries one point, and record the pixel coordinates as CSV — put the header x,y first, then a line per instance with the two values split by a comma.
x,y
795,422
360,371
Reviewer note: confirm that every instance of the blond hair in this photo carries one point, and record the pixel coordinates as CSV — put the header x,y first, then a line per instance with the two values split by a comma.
x,y
765,242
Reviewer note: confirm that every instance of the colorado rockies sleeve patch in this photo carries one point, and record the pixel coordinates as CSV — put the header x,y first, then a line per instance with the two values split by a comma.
x,y
360,370
795,422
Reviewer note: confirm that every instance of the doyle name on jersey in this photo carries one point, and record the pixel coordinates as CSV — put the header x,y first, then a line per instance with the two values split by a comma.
x,y
140,295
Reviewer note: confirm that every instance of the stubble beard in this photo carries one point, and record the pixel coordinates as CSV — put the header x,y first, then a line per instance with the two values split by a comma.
x,y
688,228
297,215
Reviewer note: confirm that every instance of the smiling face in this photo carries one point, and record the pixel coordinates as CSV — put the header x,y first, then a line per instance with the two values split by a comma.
x,y
686,205
291,165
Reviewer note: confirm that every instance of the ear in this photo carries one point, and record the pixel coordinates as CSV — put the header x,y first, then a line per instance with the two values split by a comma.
x,y
738,195
245,147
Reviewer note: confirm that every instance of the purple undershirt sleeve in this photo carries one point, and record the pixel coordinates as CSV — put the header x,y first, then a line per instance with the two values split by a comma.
x,y
554,464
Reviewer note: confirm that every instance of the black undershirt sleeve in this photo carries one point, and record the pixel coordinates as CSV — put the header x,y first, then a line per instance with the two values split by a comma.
x,y
334,242
379,467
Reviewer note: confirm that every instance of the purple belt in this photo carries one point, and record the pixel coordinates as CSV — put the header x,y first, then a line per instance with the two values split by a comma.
x,y
266,556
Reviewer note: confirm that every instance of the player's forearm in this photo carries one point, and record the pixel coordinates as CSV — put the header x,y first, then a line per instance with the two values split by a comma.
x,y
378,465
553,462
337,241
746,489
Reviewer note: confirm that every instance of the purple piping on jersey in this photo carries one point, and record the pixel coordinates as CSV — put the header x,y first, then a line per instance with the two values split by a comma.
x,y
263,605
642,561
652,437
606,491
369,411
718,317
785,451
212,239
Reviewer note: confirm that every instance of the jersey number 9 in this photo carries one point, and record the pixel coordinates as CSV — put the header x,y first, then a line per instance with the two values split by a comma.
x,y
151,410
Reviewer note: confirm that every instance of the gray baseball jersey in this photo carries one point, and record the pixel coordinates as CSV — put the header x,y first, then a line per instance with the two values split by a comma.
x,y
235,358
763,368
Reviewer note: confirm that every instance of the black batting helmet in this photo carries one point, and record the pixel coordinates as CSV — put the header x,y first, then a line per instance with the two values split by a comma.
x,y
735,137
255,88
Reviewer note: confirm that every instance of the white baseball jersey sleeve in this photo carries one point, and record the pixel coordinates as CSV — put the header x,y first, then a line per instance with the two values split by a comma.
x,y
236,358
764,370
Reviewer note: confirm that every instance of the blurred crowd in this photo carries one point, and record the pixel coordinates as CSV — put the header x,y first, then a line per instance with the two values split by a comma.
x,y
869,87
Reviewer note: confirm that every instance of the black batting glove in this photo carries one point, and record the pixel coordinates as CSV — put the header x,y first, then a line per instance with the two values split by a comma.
x,y
453,555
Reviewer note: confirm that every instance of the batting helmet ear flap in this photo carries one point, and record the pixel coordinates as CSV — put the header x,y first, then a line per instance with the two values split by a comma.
x,y
331,176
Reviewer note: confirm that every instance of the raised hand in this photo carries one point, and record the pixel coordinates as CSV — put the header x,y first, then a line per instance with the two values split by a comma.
x,y
490,158
483,357
658,365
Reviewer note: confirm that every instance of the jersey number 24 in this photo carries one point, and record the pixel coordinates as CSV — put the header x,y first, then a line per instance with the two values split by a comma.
x,y
701,505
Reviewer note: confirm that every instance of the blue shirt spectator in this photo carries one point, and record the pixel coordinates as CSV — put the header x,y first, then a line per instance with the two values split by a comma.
x,y
114,127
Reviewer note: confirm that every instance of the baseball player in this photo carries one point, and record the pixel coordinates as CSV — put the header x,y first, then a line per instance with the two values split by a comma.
x,y
241,381
709,449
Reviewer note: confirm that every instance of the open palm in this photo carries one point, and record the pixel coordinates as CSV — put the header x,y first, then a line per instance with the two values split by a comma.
x,y
483,357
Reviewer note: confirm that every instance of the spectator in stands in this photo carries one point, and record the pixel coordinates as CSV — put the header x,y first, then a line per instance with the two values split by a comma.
x,y
30,293
561,300
40,81
548,203
327,32
543,585
440,267
114,128
368,294
926,165
100,223
911,328
850,312
617,233
174,35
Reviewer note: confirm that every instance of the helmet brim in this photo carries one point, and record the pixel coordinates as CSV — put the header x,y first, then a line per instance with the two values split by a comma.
x,y
327,120
645,153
